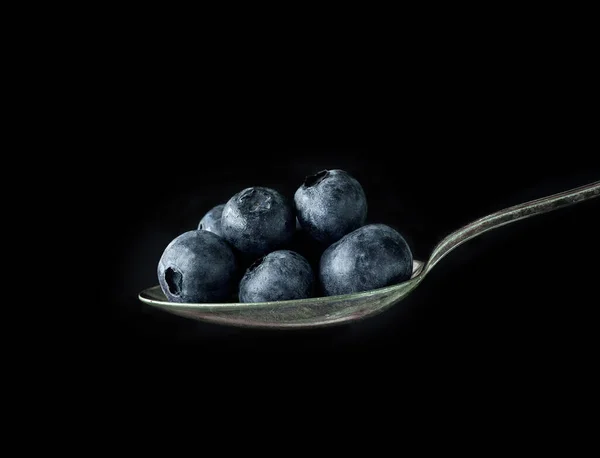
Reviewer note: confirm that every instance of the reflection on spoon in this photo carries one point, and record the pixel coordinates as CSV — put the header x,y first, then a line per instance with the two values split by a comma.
x,y
331,310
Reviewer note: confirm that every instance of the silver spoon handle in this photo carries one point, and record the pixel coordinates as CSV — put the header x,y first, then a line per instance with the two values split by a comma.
x,y
510,215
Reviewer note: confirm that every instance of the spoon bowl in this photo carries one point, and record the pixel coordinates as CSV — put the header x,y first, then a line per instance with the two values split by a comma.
x,y
305,313
333,310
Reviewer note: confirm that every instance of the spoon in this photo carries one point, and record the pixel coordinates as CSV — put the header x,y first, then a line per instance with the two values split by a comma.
x,y
332,310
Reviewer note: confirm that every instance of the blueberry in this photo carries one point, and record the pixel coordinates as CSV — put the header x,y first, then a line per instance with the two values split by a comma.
x,y
258,220
330,204
197,266
370,257
211,221
279,276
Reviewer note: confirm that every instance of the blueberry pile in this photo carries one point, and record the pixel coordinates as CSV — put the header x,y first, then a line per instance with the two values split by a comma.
x,y
260,246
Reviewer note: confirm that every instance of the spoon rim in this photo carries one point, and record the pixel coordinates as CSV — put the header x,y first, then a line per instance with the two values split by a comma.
x,y
229,306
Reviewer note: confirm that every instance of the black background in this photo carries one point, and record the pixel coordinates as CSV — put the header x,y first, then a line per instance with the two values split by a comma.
x,y
439,133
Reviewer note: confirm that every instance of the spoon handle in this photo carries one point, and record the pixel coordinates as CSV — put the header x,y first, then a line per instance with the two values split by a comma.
x,y
510,215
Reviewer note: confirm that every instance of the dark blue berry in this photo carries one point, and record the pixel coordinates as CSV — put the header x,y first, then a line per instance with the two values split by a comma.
x,y
279,276
197,266
330,204
211,221
257,221
370,257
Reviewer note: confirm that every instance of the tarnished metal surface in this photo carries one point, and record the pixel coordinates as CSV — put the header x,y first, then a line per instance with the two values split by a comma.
x,y
318,311
327,311
510,215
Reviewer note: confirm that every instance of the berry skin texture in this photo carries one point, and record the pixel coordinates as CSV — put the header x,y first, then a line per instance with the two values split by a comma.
x,y
371,257
279,276
258,220
211,221
197,266
330,204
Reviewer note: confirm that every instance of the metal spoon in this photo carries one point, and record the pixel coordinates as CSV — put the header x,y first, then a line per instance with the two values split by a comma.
x,y
324,311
